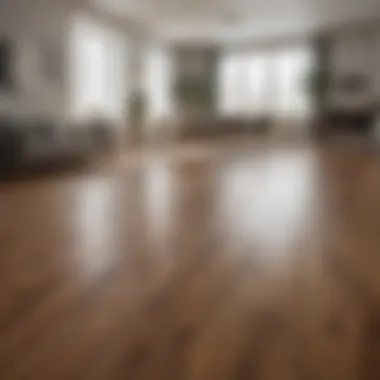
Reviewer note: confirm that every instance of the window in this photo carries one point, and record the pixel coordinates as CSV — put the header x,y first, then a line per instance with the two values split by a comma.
x,y
98,67
231,83
258,81
271,81
244,80
291,68
158,85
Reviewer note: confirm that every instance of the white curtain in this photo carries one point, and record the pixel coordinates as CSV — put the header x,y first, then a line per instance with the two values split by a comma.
x,y
271,81
232,70
158,85
98,67
291,68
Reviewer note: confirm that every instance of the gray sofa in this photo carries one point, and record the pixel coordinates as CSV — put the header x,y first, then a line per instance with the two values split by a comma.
x,y
25,142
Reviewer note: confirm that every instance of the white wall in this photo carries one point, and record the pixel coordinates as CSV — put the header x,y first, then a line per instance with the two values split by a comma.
x,y
356,50
32,25
377,62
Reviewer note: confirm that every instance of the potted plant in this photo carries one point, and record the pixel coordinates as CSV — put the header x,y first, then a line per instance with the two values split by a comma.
x,y
194,99
136,115
318,85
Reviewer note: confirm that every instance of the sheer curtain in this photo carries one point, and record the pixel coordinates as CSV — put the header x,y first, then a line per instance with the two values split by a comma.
x,y
291,68
232,83
98,63
265,82
243,84
158,85
259,80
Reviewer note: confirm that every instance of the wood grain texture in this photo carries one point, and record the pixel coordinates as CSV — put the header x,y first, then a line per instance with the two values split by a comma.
x,y
220,261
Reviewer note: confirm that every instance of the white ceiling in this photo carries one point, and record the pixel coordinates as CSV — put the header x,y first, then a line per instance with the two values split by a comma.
x,y
236,20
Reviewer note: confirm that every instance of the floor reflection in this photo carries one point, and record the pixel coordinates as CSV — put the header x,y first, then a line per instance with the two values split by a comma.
x,y
159,201
95,228
266,201
261,203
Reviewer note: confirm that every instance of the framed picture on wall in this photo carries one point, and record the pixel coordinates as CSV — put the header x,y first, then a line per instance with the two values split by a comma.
x,y
7,64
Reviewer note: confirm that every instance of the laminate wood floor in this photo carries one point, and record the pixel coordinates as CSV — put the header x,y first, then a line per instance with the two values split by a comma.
x,y
242,261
